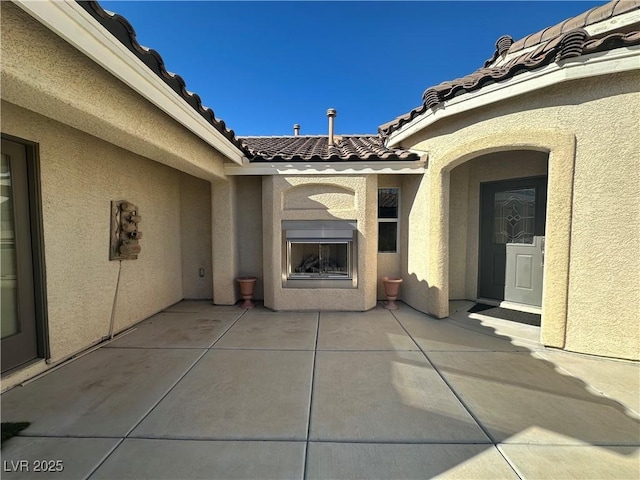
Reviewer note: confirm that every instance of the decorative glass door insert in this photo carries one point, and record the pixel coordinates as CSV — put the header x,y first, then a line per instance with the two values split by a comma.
x,y
514,220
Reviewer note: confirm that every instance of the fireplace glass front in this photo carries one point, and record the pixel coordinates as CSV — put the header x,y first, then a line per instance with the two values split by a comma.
x,y
319,260
319,254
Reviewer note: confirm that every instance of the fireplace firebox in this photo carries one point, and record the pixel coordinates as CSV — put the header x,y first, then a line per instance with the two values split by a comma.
x,y
319,254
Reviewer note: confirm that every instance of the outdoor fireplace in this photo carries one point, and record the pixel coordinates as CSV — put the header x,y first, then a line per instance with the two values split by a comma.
x,y
319,254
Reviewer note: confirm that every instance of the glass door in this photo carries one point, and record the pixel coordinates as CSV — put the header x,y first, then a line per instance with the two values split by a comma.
x,y
18,322
511,237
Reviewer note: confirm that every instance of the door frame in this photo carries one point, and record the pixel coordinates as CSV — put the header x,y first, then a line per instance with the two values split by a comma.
x,y
485,228
34,194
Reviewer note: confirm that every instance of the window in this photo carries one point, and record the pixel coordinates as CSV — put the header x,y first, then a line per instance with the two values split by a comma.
x,y
388,220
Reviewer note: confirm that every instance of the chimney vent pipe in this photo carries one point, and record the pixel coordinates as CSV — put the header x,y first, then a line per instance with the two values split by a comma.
x,y
296,130
331,113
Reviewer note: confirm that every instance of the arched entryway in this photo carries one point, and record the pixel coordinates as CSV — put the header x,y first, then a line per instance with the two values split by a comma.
x,y
559,150
497,211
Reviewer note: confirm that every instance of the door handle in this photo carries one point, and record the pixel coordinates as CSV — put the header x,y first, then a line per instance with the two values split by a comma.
x,y
542,245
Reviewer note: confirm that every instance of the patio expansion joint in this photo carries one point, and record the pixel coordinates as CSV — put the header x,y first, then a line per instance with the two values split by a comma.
x,y
188,438
313,377
400,442
262,349
511,464
154,348
464,405
153,407
460,350
204,352
78,436
576,445
227,330
179,312
367,350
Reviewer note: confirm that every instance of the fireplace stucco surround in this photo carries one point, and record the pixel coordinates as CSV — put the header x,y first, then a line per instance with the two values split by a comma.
x,y
332,218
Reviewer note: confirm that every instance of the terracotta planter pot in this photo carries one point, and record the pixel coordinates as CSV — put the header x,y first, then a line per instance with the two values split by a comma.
x,y
247,284
391,288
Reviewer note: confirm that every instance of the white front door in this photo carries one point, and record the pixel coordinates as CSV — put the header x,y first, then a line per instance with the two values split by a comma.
x,y
523,282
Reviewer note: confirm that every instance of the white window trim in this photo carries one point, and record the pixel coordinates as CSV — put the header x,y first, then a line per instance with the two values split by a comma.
x,y
391,220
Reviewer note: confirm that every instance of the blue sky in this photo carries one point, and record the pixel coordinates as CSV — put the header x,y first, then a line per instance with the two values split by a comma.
x,y
263,66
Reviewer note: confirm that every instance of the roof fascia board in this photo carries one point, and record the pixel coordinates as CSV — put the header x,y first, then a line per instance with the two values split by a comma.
x,y
73,24
596,64
347,168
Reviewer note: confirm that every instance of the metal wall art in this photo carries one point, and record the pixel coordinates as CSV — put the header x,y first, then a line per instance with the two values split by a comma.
x,y
125,235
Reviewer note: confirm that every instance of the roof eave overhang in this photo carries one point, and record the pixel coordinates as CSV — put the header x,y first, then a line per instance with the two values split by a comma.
x,y
596,64
72,23
329,168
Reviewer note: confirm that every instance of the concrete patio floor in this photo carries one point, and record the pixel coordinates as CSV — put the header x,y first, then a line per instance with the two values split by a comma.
x,y
200,391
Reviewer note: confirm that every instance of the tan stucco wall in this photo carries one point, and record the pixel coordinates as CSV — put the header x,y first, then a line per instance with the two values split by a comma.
x,y
464,210
249,225
80,176
414,245
590,128
224,239
43,73
195,228
389,264
604,287
281,197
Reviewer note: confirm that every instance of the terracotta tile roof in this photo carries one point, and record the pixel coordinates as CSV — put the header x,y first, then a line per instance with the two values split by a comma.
x,y
121,29
595,15
560,42
347,148
258,149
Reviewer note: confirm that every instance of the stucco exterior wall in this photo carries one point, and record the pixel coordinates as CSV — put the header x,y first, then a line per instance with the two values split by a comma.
x,y
305,198
604,290
249,225
80,176
414,244
464,216
195,229
43,73
224,210
591,290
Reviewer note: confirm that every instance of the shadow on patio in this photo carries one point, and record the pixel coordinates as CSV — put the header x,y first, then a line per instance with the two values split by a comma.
x,y
200,391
